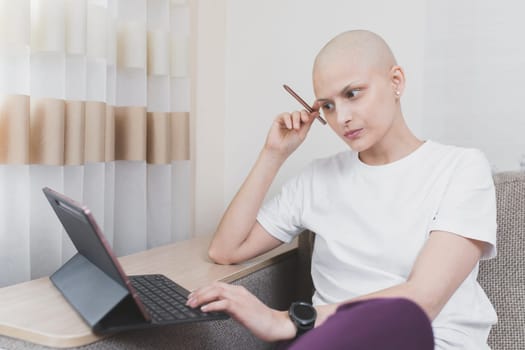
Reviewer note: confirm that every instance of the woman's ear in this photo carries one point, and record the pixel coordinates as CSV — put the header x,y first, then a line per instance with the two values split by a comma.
x,y
397,76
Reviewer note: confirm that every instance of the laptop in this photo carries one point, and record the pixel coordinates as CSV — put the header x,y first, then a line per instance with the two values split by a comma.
x,y
95,284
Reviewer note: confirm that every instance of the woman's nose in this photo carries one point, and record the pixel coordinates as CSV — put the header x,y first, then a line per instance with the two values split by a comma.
x,y
344,115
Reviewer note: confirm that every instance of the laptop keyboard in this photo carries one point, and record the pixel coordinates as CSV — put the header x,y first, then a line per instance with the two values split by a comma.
x,y
166,300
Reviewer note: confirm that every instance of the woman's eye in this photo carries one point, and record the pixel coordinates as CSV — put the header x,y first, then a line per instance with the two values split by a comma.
x,y
327,107
352,93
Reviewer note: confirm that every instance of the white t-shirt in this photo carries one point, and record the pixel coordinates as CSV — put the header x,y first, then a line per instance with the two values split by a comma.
x,y
372,221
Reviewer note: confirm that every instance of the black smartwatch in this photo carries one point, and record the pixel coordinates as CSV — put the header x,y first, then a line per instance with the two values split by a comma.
x,y
303,315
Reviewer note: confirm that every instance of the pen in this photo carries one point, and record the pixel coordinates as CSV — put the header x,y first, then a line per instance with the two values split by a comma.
x,y
303,102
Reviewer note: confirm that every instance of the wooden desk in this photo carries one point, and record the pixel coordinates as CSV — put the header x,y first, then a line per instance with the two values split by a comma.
x,y
36,312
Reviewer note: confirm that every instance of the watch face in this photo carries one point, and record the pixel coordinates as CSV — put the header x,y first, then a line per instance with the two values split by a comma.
x,y
304,311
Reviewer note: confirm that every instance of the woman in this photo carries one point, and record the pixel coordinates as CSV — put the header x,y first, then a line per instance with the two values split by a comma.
x,y
400,223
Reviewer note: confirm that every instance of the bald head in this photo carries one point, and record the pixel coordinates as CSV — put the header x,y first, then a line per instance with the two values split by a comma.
x,y
360,46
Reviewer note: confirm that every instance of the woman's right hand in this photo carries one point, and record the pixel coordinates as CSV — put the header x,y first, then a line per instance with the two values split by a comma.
x,y
265,323
288,131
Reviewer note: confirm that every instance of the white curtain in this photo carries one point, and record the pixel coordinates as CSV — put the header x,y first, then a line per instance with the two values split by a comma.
x,y
119,54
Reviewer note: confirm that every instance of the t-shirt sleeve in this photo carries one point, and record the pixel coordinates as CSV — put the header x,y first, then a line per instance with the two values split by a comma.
x,y
468,206
281,216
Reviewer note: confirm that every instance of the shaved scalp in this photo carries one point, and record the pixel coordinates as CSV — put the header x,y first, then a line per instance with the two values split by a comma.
x,y
362,45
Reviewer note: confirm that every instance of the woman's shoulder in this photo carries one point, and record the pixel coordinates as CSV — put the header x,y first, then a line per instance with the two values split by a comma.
x,y
460,159
460,152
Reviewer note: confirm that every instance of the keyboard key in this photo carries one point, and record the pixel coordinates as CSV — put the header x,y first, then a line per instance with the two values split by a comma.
x,y
164,299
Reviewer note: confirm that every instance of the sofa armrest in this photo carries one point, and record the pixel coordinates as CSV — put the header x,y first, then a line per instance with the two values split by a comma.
x,y
503,278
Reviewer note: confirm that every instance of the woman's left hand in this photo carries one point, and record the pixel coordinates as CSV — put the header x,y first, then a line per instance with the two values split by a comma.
x,y
265,323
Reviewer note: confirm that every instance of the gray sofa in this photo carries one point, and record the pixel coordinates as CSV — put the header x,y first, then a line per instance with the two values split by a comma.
x,y
288,279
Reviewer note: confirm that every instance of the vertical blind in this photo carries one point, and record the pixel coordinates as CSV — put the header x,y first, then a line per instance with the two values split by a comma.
x,y
94,103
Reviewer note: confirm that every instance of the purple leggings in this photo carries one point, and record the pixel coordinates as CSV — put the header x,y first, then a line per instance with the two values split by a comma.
x,y
390,323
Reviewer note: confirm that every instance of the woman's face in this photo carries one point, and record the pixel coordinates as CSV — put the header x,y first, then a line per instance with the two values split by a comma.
x,y
358,101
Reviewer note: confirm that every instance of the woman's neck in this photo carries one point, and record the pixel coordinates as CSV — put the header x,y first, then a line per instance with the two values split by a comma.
x,y
398,143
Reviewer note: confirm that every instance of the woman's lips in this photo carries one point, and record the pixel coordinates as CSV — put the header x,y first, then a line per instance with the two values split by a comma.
x,y
352,134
